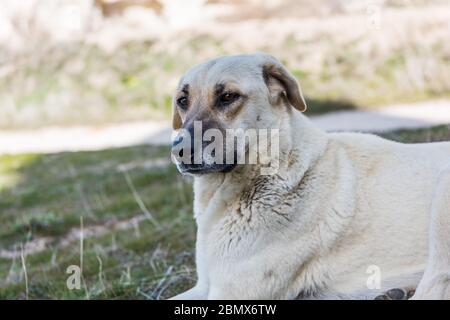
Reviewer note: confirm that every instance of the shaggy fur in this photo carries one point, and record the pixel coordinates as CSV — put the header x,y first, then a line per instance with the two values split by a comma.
x,y
339,203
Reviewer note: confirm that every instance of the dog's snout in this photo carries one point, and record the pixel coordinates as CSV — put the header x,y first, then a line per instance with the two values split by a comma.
x,y
178,146
184,145
190,151
177,141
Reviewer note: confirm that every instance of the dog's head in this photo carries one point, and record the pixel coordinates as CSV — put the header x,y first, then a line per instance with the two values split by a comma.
x,y
215,98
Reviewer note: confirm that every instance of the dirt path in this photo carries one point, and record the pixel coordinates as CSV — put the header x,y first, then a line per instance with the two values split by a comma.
x,y
49,140
40,244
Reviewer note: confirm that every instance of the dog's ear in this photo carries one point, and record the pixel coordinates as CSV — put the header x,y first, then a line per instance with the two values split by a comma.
x,y
280,81
176,119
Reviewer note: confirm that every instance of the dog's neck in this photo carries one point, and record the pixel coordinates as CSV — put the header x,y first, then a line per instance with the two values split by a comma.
x,y
301,145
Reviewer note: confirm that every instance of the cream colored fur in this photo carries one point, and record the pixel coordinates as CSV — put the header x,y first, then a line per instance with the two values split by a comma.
x,y
340,203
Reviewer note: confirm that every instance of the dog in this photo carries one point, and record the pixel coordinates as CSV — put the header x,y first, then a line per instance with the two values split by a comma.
x,y
345,215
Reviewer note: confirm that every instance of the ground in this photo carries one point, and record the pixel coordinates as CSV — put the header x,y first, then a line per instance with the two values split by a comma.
x,y
48,194
139,231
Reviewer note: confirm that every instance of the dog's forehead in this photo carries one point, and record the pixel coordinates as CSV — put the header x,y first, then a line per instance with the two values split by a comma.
x,y
241,70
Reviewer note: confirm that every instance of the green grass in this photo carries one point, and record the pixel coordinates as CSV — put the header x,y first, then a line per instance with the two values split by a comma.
x,y
434,134
44,196
54,191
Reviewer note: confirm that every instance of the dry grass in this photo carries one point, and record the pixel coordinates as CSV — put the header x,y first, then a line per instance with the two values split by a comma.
x,y
344,55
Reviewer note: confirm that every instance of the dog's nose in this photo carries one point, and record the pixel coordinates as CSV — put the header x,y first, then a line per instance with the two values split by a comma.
x,y
177,147
177,141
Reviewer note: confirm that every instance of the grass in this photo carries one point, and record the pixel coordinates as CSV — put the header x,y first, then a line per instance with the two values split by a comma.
x,y
339,61
141,260
127,254
435,134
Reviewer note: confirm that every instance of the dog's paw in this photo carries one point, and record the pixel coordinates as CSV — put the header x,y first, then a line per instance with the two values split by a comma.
x,y
396,294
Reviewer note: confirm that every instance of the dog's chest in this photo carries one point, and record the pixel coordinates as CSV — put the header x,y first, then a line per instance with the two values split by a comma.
x,y
264,210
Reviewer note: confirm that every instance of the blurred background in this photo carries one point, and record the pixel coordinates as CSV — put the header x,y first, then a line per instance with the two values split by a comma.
x,y
85,106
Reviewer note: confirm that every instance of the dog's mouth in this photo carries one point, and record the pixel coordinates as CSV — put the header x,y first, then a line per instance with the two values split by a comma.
x,y
198,169
204,167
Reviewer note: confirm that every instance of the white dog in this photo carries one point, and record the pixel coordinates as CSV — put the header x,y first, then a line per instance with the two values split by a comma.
x,y
346,215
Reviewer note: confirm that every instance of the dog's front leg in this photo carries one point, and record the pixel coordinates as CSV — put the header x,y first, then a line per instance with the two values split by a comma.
x,y
222,293
236,287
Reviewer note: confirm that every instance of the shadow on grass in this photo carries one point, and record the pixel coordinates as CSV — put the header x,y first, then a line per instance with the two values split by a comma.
x,y
321,106
434,134
41,206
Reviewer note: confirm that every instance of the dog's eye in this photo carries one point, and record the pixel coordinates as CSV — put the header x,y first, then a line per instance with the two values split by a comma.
x,y
182,102
227,98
